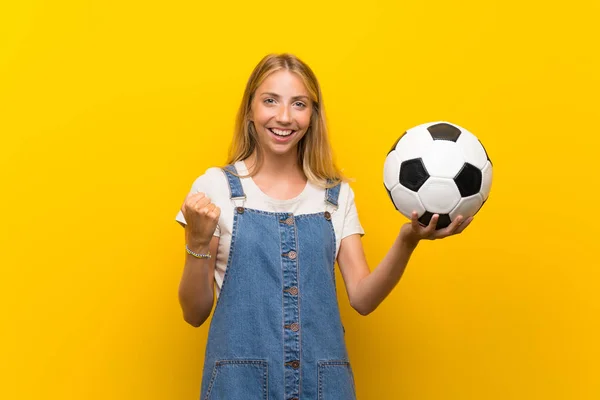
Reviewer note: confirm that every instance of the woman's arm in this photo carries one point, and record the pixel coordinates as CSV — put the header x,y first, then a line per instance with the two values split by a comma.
x,y
196,294
366,289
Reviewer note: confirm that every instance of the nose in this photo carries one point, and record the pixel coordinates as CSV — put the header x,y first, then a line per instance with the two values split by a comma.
x,y
283,115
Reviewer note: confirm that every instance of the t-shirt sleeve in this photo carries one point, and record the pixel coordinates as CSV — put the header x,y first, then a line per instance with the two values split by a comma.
x,y
205,183
351,221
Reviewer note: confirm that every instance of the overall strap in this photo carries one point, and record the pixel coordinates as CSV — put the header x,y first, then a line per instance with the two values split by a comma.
x,y
332,194
235,184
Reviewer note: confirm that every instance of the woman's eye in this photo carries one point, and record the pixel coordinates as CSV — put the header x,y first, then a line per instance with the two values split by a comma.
x,y
300,104
269,101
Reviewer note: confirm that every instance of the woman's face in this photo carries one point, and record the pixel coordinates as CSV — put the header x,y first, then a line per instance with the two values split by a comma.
x,y
281,111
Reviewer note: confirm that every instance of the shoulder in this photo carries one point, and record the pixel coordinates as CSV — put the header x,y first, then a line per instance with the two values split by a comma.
x,y
213,182
346,194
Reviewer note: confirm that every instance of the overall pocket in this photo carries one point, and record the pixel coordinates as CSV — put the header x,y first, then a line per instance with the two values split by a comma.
x,y
238,379
336,381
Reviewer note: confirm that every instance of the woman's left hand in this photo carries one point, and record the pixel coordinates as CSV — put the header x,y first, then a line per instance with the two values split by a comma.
x,y
413,231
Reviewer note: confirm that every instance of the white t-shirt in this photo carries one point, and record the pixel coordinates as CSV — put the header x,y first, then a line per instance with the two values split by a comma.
x,y
312,200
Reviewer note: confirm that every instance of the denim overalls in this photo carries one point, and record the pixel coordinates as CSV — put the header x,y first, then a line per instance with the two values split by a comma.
x,y
276,331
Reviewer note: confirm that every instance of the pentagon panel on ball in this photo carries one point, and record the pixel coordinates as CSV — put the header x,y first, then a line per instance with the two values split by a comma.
x,y
438,168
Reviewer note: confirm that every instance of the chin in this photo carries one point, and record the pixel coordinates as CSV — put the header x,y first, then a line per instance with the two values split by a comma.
x,y
281,152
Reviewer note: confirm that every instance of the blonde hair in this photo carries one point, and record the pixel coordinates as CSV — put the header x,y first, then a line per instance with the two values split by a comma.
x,y
315,154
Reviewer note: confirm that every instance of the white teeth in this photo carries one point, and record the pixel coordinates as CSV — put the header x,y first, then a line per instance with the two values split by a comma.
x,y
280,132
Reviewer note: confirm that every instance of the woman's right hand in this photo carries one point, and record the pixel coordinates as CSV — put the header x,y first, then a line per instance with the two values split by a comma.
x,y
201,216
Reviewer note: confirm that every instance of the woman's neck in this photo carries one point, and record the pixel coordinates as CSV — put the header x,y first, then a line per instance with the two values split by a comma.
x,y
277,167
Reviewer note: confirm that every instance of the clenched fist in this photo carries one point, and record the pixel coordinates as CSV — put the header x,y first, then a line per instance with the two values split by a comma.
x,y
202,217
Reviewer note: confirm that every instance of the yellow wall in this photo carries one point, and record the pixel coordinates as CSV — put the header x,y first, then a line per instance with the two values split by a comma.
x,y
109,110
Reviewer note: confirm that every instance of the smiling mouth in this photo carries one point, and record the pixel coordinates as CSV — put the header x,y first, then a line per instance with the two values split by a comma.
x,y
281,132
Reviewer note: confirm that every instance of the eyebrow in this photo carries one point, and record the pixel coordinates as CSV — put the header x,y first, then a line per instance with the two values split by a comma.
x,y
277,96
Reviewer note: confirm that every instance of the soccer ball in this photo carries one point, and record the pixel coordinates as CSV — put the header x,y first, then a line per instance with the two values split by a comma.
x,y
438,168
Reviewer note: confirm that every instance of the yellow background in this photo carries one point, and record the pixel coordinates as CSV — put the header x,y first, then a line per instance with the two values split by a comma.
x,y
109,110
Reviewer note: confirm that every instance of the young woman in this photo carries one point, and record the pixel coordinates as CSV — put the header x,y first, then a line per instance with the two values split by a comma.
x,y
266,230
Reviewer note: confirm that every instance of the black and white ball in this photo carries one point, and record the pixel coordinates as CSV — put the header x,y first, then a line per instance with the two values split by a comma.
x,y
438,168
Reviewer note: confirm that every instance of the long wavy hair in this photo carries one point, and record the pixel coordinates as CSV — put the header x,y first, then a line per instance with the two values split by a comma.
x,y
315,154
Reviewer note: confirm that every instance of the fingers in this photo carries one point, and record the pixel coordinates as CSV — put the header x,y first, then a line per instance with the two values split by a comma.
x,y
199,200
463,225
194,197
451,229
201,204
191,200
457,226
414,220
430,229
206,208
215,213
424,231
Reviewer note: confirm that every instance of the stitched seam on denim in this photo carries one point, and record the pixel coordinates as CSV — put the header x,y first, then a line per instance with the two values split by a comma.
x,y
299,308
220,363
230,257
333,251
277,213
333,199
320,381
282,301
233,180
224,170
274,213
332,363
212,381
313,215
229,183
266,381
238,362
